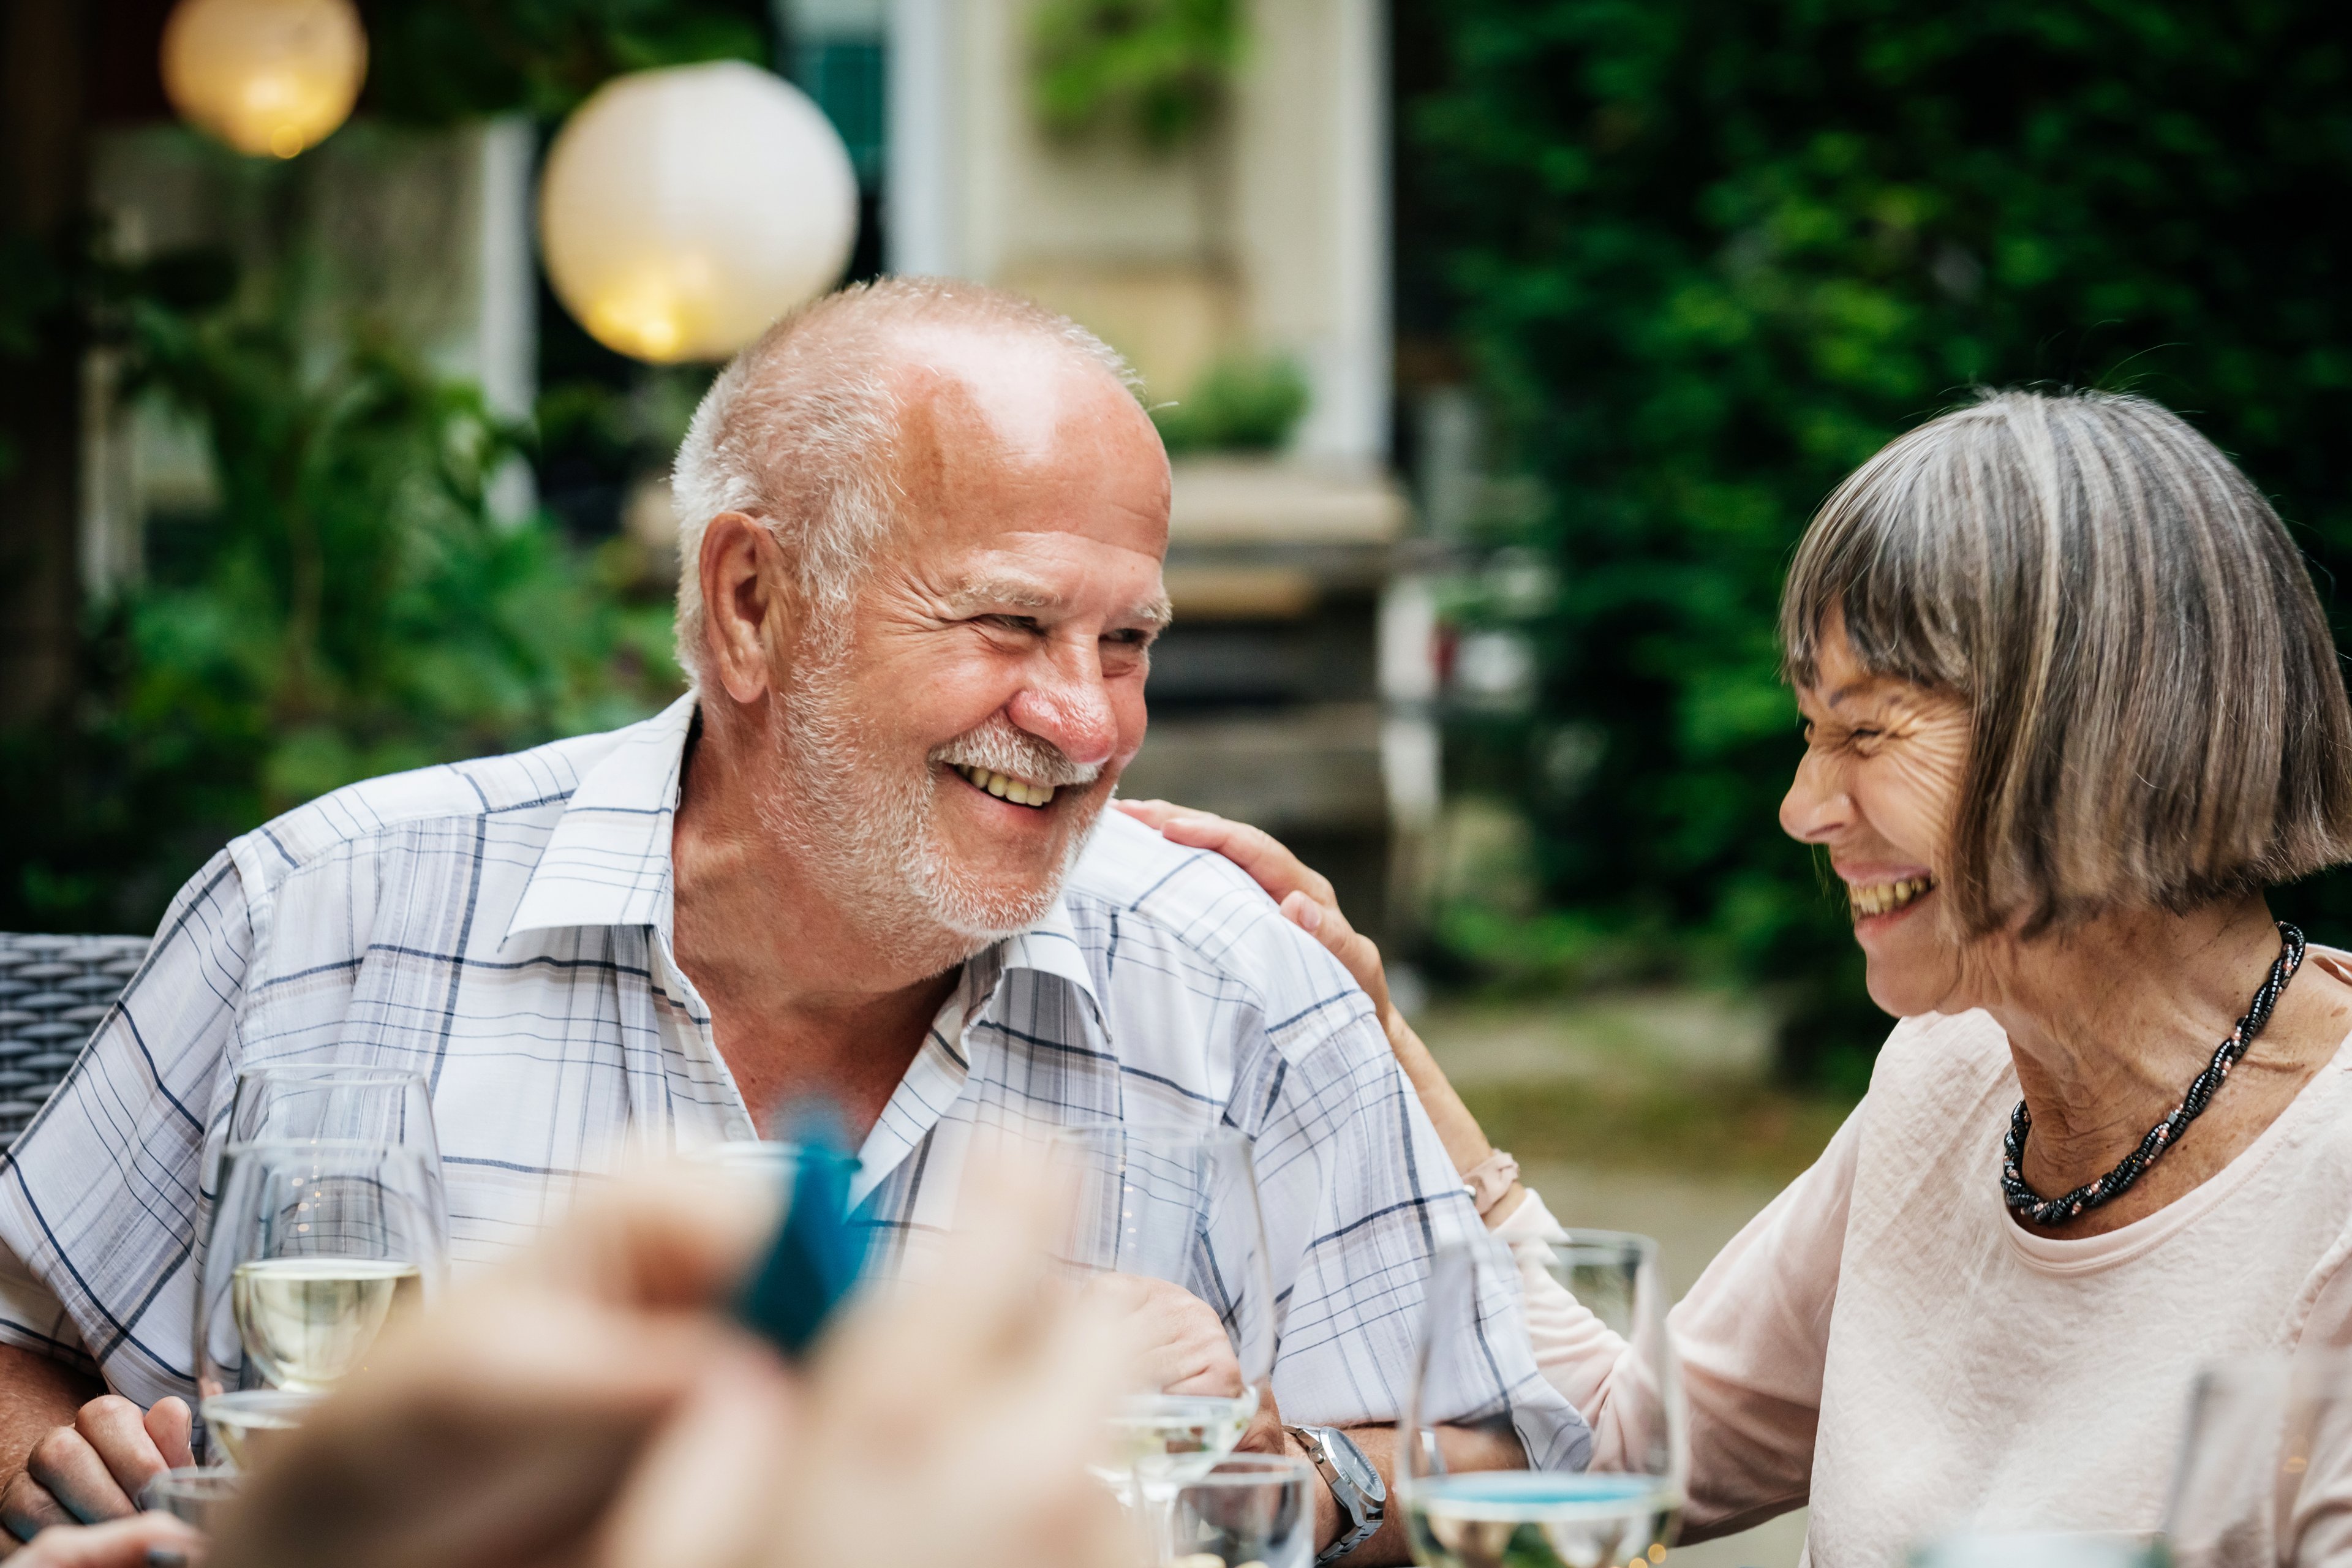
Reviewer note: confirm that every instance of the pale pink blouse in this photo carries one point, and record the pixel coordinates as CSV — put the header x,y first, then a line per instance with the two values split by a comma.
x,y
1885,1344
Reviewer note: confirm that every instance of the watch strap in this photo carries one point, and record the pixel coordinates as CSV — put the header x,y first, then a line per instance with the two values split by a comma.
x,y
1364,1513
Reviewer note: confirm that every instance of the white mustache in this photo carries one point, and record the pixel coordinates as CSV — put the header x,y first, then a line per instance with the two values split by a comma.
x,y
1001,748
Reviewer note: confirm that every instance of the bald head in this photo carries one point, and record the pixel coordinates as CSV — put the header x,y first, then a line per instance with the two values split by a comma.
x,y
826,427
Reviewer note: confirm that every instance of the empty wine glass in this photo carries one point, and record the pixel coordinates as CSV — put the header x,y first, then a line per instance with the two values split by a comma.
x,y
1614,1498
2265,1478
315,1245
1158,1207
1251,1509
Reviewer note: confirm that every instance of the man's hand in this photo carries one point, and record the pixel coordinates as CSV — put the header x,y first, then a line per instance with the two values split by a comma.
x,y
95,1469
1186,1350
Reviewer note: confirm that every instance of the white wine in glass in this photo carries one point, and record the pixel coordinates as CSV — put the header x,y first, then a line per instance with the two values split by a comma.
x,y
1590,1505
308,1322
316,1244
1168,1439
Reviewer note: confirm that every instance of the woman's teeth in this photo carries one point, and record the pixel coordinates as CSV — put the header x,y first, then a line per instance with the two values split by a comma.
x,y
1005,787
1886,898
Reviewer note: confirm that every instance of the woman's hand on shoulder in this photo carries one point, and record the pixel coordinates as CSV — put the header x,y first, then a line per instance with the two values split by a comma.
x,y
1305,894
1308,902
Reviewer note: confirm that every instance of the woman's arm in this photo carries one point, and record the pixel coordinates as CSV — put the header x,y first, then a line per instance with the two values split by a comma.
x,y
1752,1333
1307,901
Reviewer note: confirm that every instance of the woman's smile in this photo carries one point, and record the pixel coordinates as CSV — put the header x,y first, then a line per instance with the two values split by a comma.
x,y
1881,901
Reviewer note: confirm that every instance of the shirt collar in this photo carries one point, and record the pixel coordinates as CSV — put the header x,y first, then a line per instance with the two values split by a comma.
x,y
608,861
1049,947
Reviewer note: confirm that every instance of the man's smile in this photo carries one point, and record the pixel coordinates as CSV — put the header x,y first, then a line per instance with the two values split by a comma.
x,y
1005,787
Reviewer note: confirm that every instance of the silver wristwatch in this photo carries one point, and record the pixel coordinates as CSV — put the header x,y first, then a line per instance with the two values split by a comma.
x,y
1355,1486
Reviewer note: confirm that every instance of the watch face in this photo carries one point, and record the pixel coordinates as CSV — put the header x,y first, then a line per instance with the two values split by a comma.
x,y
1349,1461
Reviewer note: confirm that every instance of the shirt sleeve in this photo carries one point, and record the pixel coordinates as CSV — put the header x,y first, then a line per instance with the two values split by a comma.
x,y
2319,1517
1753,1334
101,1198
1359,1198
32,1318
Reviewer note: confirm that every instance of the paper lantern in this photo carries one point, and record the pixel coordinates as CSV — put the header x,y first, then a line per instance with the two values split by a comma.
x,y
682,210
265,76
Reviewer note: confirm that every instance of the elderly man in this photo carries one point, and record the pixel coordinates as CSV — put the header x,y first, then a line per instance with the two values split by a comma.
x,y
865,859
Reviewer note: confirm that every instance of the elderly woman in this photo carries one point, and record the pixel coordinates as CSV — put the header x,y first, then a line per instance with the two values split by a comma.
x,y
2070,706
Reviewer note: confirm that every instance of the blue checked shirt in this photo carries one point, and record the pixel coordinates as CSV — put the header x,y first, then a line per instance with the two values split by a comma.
x,y
503,926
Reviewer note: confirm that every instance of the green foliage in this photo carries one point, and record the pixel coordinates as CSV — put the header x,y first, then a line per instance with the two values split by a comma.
x,y
435,61
1157,69
1709,255
350,607
1238,405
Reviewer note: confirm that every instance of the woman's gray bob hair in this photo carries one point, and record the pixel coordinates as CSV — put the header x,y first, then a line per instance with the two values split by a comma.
x,y
2158,719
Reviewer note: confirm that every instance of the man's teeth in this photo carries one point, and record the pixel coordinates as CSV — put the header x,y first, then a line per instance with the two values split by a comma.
x,y
1003,786
1886,898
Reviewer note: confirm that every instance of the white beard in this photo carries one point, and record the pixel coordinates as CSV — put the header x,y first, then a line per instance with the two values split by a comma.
x,y
864,825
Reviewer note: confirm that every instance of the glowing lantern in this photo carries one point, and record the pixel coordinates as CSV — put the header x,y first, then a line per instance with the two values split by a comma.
x,y
265,76
682,210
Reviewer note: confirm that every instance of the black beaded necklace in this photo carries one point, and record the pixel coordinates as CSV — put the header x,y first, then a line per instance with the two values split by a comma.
x,y
2165,1133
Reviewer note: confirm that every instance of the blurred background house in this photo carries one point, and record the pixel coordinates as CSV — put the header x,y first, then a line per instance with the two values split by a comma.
x,y
1238,252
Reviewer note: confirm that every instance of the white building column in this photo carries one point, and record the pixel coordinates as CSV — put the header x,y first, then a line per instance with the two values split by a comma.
x,y
1349,420
921,232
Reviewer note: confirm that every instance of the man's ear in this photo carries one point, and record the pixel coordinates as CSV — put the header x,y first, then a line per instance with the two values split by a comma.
x,y
747,607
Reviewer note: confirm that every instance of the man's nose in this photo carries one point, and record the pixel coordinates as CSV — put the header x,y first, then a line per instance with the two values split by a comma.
x,y
1817,804
1071,710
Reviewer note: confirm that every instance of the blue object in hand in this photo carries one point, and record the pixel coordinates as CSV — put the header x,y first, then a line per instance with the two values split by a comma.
x,y
815,1261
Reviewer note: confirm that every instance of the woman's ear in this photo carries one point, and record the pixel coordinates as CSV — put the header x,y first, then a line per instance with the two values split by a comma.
x,y
747,606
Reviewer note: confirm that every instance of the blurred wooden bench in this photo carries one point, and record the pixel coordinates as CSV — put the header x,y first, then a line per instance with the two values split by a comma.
x,y
53,992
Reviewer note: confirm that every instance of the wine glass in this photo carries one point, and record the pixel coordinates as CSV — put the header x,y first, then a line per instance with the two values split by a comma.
x,y
316,1244
1252,1508
2265,1478
349,1100
191,1495
1614,1498
1161,1206
289,1102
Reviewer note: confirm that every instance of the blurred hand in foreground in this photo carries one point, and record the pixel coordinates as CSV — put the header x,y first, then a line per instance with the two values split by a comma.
x,y
593,1404
141,1541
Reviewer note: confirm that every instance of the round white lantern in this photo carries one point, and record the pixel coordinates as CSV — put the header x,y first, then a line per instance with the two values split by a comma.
x,y
682,210
265,76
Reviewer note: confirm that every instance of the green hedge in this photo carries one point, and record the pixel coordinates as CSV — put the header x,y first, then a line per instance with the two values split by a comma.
x,y
1707,255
